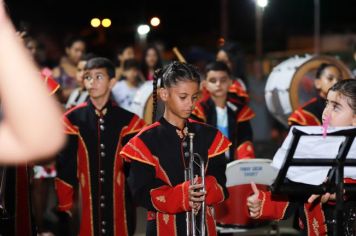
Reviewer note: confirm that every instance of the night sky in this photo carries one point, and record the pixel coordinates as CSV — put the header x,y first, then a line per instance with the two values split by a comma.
x,y
185,22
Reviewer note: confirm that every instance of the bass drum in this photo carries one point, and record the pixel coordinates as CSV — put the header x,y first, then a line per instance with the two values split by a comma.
x,y
291,84
142,104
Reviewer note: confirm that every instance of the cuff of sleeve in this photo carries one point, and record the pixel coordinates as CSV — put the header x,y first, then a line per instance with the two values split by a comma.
x,y
214,192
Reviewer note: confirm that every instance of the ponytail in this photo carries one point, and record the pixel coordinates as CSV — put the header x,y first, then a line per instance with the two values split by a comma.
x,y
156,77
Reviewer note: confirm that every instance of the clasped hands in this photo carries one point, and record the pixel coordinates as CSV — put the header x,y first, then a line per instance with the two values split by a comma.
x,y
196,195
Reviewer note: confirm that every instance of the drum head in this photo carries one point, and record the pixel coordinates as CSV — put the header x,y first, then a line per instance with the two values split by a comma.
x,y
143,103
148,110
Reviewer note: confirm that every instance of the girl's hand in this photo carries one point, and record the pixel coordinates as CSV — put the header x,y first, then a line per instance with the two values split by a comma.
x,y
196,195
253,203
323,198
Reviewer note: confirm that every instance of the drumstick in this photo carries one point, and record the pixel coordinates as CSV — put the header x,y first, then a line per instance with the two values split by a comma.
x,y
179,55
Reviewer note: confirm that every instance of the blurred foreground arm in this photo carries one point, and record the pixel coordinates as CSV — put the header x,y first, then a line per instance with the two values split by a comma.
x,y
31,128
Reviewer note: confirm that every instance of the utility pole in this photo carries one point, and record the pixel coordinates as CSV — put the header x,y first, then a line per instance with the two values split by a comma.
x,y
224,19
317,27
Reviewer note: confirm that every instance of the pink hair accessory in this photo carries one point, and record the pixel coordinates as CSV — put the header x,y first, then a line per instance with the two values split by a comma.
x,y
326,125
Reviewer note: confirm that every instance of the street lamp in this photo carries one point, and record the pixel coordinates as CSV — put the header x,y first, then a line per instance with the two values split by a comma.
x,y
142,31
260,5
155,21
95,22
317,27
106,22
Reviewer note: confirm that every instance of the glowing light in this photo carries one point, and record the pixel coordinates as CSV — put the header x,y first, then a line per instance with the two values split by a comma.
x,y
262,3
221,41
143,29
106,22
95,22
155,21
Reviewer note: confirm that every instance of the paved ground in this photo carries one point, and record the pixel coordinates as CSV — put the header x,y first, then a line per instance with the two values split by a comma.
x,y
284,228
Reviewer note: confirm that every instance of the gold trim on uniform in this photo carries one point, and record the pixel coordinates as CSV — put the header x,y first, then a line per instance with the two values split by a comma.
x,y
163,171
315,226
161,198
118,179
89,184
182,133
166,218
82,180
103,112
143,157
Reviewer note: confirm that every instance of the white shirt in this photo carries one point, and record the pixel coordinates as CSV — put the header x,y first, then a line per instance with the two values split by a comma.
x,y
76,97
222,123
124,94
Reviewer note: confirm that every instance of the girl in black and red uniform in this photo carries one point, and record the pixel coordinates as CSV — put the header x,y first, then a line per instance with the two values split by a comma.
x,y
158,160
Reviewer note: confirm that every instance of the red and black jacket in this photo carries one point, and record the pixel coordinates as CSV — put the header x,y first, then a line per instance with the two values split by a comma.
x,y
309,114
91,161
239,126
158,161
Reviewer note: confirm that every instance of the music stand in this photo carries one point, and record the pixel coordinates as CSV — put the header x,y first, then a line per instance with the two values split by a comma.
x,y
336,173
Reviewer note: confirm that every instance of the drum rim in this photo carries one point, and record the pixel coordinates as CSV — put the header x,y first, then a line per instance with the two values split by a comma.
x,y
313,62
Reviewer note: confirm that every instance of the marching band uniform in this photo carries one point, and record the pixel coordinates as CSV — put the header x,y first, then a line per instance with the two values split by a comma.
x,y
312,217
51,84
312,220
18,217
157,156
91,160
308,114
238,91
238,115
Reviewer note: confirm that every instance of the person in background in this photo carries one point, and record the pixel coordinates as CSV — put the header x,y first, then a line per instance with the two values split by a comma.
x,y
151,61
231,54
80,94
314,211
125,89
39,181
96,130
124,53
65,72
231,117
311,112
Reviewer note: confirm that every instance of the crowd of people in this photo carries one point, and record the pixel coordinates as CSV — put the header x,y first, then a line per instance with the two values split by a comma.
x,y
113,160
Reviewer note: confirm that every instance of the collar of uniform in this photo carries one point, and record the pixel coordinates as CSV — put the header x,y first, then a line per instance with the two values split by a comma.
x,y
104,110
180,132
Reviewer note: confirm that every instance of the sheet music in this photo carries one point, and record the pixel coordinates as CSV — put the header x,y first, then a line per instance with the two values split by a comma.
x,y
314,147
245,171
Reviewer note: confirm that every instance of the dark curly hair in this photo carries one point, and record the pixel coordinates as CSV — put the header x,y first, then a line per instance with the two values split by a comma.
x,y
322,68
171,75
347,88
